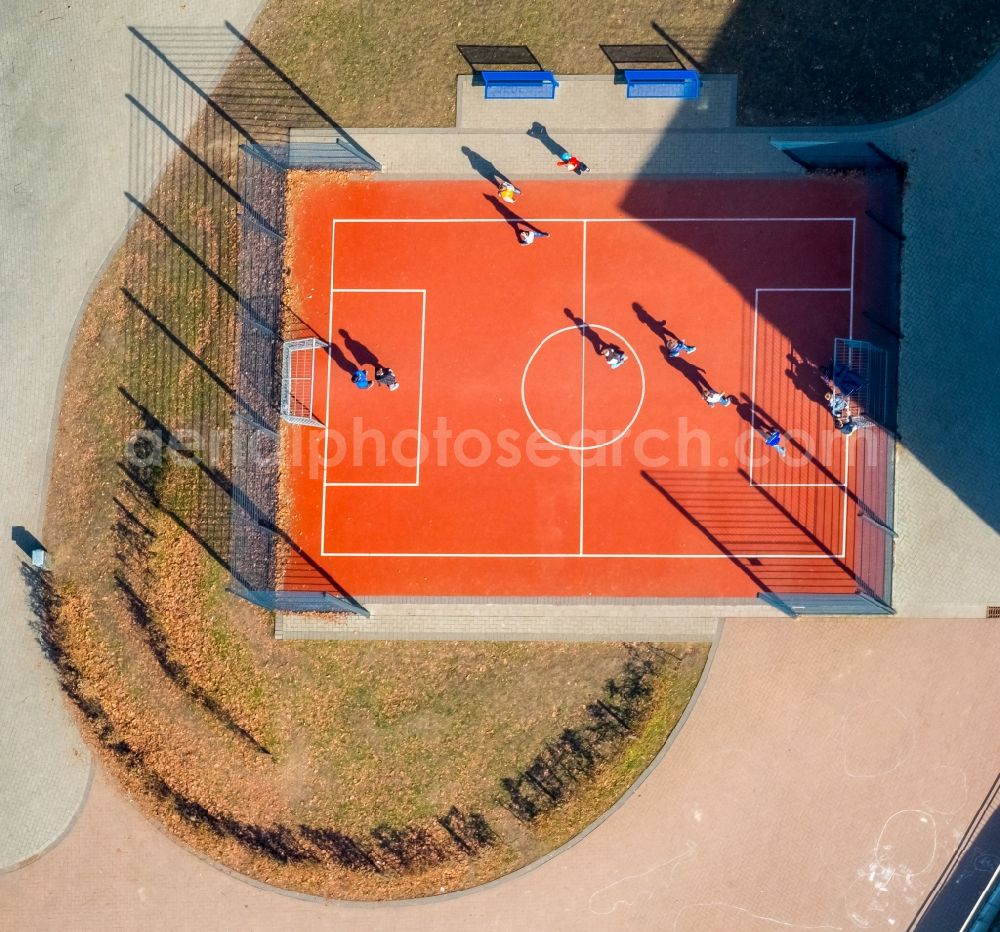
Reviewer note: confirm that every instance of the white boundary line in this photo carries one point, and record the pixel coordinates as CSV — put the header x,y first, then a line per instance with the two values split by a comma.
x,y
578,554
583,373
329,382
420,388
753,383
847,444
329,378
596,219
574,555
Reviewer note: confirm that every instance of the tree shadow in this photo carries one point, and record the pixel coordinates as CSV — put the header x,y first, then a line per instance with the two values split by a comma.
x,y
553,776
159,645
385,849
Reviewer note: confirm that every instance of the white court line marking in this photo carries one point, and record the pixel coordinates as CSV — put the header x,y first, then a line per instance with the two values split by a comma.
x,y
753,386
847,443
585,221
420,389
753,392
329,380
420,397
798,485
599,220
573,555
583,447
370,485
583,368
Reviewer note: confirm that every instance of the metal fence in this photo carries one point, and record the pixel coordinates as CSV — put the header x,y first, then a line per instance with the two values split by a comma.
x,y
873,356
257,538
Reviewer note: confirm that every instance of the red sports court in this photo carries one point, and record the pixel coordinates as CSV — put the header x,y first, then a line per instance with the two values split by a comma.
x,y
513,460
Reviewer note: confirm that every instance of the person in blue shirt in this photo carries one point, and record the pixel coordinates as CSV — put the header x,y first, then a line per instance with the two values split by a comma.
x,y
676,347
773,440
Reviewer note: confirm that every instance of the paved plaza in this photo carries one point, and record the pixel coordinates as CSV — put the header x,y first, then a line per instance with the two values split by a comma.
x,y
817,783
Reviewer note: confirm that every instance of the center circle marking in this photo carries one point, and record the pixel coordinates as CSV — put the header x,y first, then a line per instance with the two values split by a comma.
x,y
581,447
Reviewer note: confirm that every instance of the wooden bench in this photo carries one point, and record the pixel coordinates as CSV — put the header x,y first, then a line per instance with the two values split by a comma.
x,y
662,82
519,85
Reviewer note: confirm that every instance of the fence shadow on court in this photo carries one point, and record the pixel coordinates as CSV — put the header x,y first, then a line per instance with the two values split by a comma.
x,y
203,319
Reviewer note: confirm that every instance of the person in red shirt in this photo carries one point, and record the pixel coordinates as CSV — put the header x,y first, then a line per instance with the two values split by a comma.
x,y
572,163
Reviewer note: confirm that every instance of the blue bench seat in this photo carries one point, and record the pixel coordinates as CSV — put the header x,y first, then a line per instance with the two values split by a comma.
x,y
519,85
662,82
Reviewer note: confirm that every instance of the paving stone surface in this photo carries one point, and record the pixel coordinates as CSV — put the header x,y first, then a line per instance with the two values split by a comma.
x,y
503,622
595,101
64,141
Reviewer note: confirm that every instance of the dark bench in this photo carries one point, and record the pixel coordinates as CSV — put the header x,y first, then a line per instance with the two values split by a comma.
x,y
662,82
519,84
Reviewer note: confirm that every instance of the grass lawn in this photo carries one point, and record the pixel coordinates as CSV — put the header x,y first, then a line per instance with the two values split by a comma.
x,y
394,64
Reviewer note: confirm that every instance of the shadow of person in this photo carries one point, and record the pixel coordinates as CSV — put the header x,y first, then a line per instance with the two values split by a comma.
x,y
484,166
586,330
658,327
694,374
517,223
755,417
806,377
363,356
539,132
341,361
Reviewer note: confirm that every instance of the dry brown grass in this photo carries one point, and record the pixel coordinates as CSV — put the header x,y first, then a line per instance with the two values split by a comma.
x,y
353,770
325,767
394,63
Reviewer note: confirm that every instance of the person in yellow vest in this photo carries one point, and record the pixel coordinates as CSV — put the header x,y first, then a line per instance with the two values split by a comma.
x,y
508,192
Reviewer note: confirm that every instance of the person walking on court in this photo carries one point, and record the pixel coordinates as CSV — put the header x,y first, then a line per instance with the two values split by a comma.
x,y
508,192
386,377
678,346
772,439
614,355
360,379
572,164
527,237
713,398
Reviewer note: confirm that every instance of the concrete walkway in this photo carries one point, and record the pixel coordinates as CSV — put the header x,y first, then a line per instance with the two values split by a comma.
x,y
65,165
822,781
519,620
